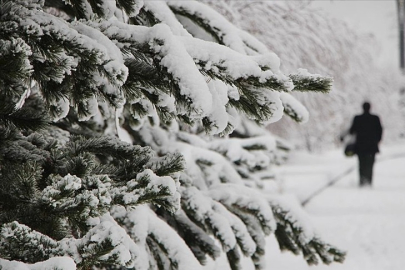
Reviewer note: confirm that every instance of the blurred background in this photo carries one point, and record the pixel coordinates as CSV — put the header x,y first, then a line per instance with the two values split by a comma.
x,y
355,42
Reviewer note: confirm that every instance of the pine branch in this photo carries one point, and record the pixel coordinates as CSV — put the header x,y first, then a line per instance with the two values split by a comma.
x,y
81,165
15,68
145,18
129,6
95,252
255,231
249,106
222,73
18,149
311,83
143,74
159,254
200,21
291,237
233,257
19,242
167,165
288,110
25,118
60,5
77,8
20,180
110,146
196,238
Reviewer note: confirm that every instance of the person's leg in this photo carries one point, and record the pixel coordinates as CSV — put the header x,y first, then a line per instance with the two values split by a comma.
x,y
369,163
362,169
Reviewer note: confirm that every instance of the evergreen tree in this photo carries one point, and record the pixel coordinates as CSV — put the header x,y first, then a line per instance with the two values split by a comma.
x,y
127,140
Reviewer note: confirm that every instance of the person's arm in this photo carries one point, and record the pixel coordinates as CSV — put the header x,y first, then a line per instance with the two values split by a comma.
x,y
379,129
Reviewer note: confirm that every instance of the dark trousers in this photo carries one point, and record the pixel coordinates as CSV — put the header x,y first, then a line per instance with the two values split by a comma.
x,y
366,163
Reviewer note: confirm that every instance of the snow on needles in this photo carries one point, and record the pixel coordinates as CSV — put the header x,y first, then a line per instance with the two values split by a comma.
x,y
226,31
180,64
295,107
150,81
166,16
245,198
236,65
114,63
61,263
173,56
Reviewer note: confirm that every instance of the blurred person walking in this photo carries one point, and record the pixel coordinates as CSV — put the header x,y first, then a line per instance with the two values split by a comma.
x,y
368,132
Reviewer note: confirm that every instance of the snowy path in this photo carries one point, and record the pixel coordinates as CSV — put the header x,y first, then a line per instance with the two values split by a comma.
x,y
368,223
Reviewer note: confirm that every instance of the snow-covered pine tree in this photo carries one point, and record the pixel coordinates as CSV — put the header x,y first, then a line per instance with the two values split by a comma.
x,y
114,138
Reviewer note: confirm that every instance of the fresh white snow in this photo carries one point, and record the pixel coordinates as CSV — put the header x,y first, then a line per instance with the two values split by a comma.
x,y
368,223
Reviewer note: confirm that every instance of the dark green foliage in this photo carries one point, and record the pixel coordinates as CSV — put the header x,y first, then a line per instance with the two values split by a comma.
x,y
61,6
202,22
20,198
167,165
200,243
16,148
234,259
110,147
14,71
143,75
292,113
71,82
97,251
19,182
159,259
129,6
32,166
253,227
255,111
251,91
314,84
54,57
144,17
164,262
291,236
30,117
22,249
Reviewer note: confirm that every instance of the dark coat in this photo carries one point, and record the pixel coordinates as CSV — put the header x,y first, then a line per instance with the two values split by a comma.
x,y
368,131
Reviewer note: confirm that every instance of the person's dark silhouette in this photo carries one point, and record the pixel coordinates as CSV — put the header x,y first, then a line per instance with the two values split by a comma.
x,y
368,131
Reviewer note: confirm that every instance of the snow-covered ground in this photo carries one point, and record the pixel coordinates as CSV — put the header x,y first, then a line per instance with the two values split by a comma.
x,y
368,223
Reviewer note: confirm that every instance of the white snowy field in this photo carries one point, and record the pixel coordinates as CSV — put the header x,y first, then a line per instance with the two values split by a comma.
x,y
368,223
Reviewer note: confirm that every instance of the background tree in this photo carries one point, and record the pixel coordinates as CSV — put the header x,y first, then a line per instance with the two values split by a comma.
x,y
114,138
303,36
